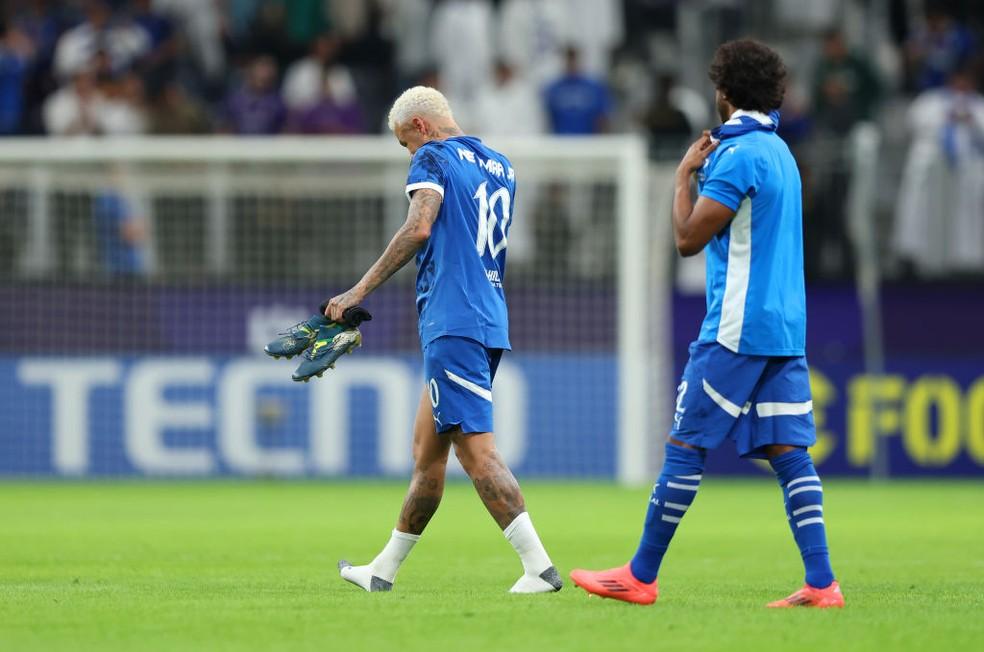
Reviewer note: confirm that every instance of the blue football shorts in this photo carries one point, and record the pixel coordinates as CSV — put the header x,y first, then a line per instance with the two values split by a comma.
x,y
753,400
459,372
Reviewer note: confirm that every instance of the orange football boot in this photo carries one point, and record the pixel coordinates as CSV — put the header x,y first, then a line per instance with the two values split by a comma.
x,y
810,596
616,583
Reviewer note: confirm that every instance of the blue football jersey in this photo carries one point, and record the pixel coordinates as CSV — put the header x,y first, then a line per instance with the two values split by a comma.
x,y
756,300
461,267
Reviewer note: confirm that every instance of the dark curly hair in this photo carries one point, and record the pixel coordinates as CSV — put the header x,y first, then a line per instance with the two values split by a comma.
x,y
749,74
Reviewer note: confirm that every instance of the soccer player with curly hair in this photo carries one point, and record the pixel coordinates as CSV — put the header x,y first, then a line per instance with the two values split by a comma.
x,y
747,378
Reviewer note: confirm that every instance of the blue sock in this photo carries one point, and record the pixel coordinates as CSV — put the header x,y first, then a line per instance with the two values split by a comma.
x,y
803,495
672,495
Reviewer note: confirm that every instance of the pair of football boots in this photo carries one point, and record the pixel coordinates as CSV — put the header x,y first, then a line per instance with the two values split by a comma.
x,y
321,342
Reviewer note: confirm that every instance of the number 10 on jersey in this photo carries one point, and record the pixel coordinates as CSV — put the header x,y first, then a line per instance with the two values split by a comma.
x,y
487,219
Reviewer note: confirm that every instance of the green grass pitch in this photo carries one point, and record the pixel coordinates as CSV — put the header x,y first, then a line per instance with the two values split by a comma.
x,y
251,565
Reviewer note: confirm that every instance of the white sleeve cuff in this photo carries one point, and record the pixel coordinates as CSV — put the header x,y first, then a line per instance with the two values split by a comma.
x,y
424,184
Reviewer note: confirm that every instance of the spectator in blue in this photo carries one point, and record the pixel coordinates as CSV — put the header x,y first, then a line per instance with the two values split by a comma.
x,y
941,47
15,54
120,234
257,108
576,103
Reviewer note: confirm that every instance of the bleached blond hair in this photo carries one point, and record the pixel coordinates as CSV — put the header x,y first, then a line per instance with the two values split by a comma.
x,y
418,101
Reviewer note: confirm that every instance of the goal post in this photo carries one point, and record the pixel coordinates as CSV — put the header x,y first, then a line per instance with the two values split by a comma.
x,y
169,260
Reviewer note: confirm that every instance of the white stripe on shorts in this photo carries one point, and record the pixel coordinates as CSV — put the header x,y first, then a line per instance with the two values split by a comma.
x,y
783,409
723,403
470,386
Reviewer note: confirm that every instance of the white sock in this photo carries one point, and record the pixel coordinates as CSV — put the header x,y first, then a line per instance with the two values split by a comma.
x,y
525,541
387,562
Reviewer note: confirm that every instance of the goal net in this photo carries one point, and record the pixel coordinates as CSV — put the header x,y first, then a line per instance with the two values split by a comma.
x,y
139,280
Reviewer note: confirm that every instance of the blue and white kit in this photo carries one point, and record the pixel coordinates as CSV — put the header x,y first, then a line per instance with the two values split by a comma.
x,y
461,305
747,378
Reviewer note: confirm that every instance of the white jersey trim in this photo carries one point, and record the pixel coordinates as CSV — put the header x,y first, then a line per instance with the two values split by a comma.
x,y
758,116
424,184
736,284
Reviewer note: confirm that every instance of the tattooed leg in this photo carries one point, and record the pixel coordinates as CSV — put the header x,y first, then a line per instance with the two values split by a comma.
x,y
422,500
494,482
430,454
500,492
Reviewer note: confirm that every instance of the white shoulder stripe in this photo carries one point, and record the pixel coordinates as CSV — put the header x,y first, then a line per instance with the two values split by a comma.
x,y
470,386
424,184
736,281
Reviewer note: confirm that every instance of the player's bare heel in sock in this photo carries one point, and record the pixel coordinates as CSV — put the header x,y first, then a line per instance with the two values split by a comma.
x,y
362,577
546,582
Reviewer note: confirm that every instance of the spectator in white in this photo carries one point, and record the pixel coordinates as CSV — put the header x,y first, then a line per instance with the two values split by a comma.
x,y
940,212
71,110
532,35
512,107
411,38
461,43
82,108
305,78
595,29
200,23
509,106
122,40
123,111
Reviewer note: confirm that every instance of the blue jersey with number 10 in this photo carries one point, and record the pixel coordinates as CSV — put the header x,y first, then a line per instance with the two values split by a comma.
x,y
461,267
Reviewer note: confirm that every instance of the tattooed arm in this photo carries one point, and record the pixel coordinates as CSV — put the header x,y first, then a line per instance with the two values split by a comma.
x,y
424,207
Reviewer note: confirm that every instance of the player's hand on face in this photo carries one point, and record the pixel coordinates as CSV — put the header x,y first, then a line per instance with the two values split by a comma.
x,y
698,152
338,305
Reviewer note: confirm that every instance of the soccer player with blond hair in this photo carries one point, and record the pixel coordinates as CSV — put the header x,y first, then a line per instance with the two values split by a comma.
x,y
461,198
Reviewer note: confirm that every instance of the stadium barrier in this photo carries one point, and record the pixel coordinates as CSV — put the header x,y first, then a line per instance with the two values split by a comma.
x,y
140,278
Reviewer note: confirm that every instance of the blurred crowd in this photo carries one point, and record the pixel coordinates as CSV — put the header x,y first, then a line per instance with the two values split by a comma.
x,y
260,67
526,67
